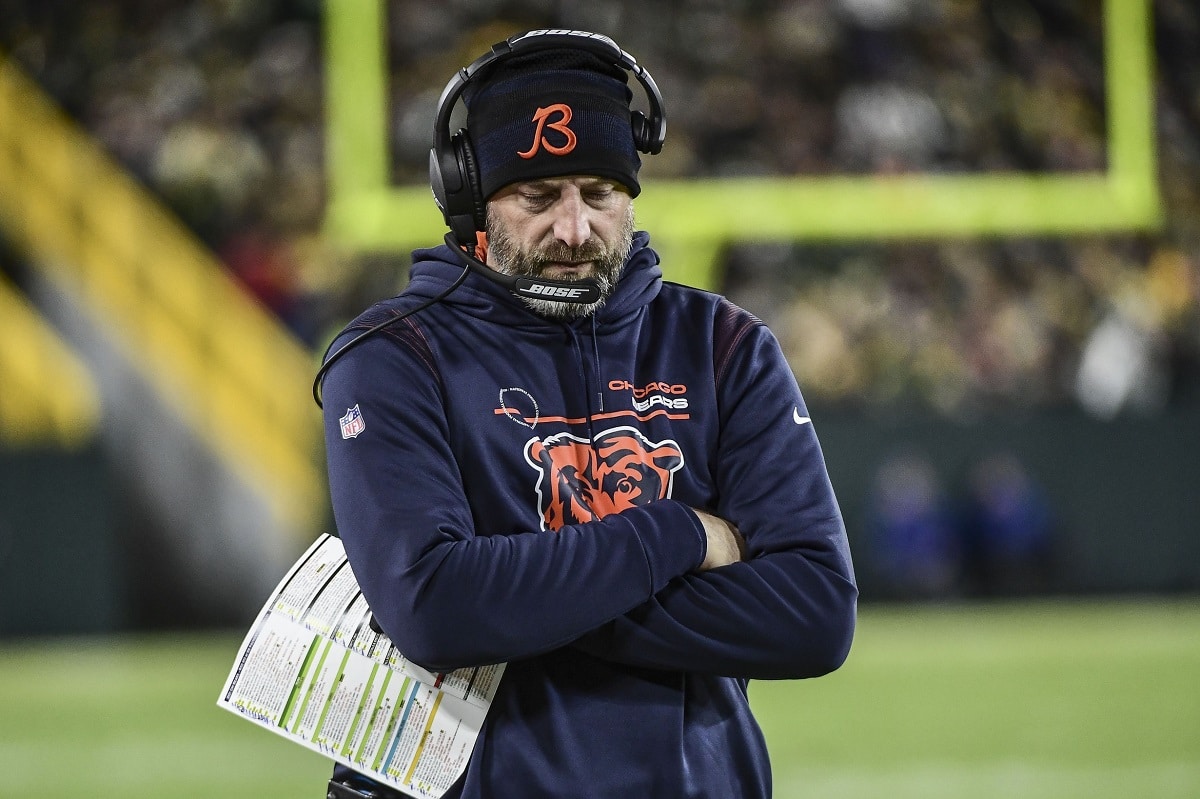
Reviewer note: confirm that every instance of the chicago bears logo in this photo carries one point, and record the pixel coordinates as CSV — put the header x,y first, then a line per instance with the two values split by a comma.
x,y
580,481
542,117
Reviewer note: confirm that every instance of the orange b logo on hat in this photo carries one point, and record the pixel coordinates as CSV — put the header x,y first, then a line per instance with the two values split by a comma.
x,y
539,140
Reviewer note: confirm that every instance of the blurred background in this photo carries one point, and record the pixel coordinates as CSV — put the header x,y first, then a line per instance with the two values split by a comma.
x,y
1011,418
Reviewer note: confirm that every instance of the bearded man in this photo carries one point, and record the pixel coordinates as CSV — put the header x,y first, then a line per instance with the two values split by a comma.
x,y
561,462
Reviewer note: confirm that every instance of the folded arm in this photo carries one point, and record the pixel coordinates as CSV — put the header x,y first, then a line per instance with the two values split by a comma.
x,y
787,608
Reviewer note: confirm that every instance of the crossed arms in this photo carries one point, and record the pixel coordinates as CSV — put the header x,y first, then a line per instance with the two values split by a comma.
x,y
759,586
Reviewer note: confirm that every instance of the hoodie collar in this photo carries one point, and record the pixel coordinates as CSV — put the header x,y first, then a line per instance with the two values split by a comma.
x,y
436,268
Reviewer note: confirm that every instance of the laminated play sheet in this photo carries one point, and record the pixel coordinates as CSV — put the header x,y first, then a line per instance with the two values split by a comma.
x,y
313,670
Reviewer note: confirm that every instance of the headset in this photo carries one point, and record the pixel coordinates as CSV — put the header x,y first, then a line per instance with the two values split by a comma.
x,y
454,171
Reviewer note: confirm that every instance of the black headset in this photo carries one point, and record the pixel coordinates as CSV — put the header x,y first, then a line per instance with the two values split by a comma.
x,y
454,174
453,170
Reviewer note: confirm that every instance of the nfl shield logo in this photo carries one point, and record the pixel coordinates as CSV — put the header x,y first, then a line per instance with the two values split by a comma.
x,y
352,423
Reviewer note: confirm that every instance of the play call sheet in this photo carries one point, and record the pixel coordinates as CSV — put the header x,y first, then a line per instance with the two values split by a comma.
x,y
312,670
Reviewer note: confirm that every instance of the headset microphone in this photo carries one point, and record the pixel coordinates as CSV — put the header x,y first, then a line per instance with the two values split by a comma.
x,y
537,288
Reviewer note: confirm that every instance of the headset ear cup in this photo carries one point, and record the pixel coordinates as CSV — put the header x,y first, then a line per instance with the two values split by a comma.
x,y
641,131
644,136
471,178
437,182
462,207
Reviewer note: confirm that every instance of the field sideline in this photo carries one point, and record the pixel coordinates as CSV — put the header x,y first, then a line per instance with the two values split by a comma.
x,y
1046,700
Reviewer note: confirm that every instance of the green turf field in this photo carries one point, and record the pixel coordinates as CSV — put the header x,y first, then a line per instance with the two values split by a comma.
x,y
1045,700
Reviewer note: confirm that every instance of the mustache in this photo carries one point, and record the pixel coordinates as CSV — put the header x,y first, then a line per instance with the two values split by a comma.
x,y
557,252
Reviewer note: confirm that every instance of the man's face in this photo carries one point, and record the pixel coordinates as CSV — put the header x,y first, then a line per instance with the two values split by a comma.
x,y
568,228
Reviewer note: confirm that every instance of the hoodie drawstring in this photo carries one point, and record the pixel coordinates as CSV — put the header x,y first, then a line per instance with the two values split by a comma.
x,y
596,357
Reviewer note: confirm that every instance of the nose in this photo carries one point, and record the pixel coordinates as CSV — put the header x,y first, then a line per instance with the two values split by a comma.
x,y
572,225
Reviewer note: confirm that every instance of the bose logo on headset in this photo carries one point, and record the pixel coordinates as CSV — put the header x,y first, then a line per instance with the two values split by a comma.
x,y
556,292
560,32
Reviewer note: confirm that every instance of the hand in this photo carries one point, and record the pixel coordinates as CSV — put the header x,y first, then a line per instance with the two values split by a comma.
x,y
725,543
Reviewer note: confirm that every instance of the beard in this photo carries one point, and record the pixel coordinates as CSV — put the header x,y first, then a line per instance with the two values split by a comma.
x,y
607,263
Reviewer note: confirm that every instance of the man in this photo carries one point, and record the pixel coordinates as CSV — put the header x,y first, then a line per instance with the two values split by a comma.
x,y
623,498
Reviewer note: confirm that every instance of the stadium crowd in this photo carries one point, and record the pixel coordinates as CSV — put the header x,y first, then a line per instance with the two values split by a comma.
x,y
217,106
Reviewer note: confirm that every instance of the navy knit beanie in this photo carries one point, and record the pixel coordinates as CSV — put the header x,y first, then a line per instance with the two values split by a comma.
x,y
552,113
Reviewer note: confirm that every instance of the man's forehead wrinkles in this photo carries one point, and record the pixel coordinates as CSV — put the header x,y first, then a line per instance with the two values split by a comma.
x,y
583,181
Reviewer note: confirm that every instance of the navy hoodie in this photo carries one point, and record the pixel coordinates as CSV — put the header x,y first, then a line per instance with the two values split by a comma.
x,y
521,491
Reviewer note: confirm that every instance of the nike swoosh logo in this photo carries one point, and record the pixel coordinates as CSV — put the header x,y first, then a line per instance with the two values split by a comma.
x,y
798,419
